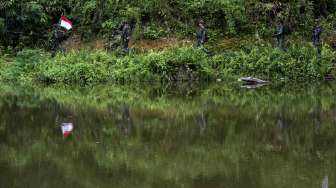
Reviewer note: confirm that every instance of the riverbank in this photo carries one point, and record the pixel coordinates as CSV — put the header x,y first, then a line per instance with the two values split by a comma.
x,y
298,63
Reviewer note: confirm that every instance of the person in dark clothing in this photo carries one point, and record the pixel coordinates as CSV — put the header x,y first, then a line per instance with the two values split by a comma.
x,y
280,35
316,37
125,36
55,41
201,36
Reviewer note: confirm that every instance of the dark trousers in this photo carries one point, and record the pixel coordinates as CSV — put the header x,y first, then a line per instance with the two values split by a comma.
x,y
280,42
55,46
200,45
318,47
317,44
125,45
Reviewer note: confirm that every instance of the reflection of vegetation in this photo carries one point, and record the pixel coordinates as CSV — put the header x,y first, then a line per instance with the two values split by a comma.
x,y
298,64
250,135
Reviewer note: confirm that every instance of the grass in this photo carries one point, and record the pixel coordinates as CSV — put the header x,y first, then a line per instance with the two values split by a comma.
x,y
299,64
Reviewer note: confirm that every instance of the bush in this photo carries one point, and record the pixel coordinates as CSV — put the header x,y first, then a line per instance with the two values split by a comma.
x,y
153,32
29,22
76,67
299,63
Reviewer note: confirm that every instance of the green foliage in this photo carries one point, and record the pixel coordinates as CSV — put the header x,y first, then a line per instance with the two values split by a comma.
x,y
213,13
329,24
299,63
81,68
30,21
2,25
153,32
24,66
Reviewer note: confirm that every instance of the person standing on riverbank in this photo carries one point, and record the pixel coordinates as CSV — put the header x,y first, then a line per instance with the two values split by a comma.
x,y
280,35
201,36
59,34
316,36
125,36
55,40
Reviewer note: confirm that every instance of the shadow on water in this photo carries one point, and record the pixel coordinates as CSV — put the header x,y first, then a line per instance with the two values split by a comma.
x,y
168,136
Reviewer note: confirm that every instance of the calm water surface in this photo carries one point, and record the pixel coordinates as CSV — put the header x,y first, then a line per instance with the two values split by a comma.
x,y
168,136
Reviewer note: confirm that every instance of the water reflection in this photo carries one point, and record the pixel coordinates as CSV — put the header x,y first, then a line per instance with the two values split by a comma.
x,y
126,122
63,120
316,115
202,122
67,129
254,86
210,138
280,121
325,182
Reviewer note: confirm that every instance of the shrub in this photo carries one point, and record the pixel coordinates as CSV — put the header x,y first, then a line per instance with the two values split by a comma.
x,y
153,32
76,67
299,63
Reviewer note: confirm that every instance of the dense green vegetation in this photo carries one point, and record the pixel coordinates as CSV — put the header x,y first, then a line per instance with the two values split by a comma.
x,y
165,146
29,22
86,67
183,135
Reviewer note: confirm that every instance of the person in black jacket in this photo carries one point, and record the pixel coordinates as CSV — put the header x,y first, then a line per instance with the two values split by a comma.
x,y
201,36
125,36
280,35
316,36
59,35
55,41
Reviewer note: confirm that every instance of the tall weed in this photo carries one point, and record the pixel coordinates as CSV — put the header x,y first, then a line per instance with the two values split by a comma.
x,y
298,63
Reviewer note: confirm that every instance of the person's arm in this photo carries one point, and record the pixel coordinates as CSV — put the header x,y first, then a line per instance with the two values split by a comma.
x,y
281,30
320,30
56,34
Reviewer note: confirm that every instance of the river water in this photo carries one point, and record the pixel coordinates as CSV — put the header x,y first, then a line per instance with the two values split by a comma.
x,y
185,136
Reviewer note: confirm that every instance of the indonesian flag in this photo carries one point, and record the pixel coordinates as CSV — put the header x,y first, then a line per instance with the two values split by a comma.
x,y
67,129
66,23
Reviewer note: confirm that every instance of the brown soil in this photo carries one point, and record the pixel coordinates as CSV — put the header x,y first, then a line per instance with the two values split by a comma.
x,y
160,44
75,43
228,43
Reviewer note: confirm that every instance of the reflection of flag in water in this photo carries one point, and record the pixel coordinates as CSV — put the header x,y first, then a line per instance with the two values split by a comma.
x,y
66,23
325,182
67,129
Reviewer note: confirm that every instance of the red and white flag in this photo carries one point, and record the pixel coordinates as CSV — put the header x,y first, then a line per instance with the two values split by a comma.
x,y
67,129
66,23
